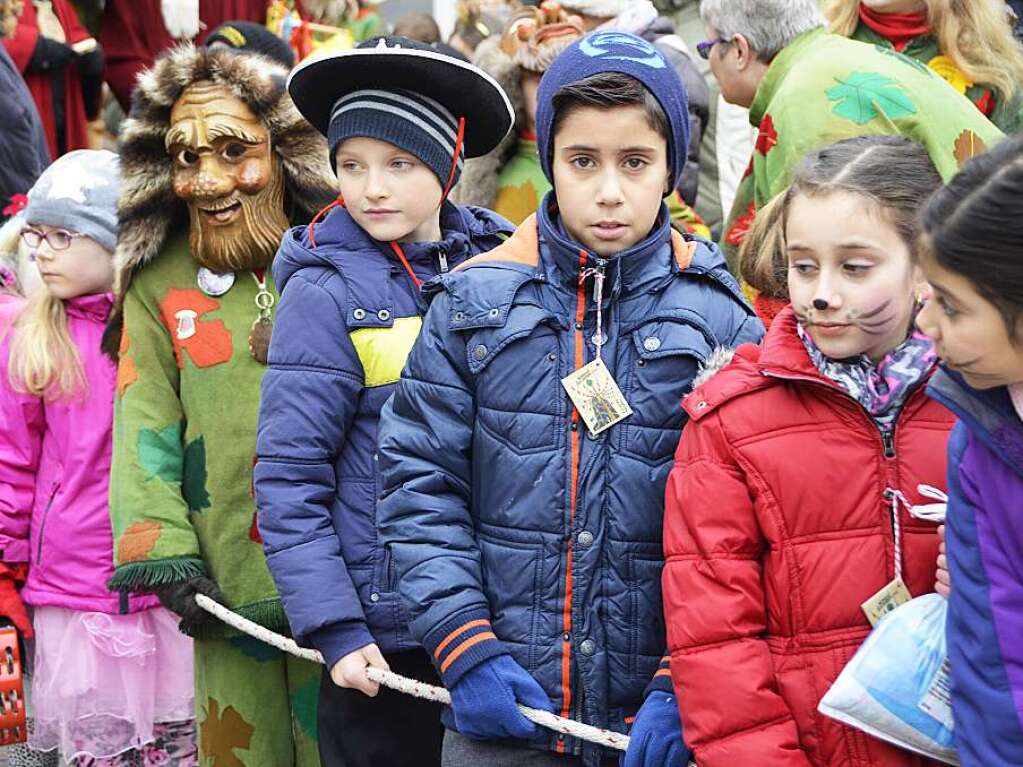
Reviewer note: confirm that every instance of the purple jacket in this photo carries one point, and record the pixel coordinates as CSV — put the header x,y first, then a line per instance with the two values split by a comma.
x,y
54,472
984,538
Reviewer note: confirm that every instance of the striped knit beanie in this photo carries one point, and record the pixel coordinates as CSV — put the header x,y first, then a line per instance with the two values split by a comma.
x,y
418,124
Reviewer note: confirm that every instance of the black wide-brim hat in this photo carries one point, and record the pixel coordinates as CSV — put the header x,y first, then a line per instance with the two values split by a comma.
x,y
390,63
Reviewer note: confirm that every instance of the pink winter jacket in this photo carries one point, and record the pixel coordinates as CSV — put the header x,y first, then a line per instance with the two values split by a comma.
x,y
54,474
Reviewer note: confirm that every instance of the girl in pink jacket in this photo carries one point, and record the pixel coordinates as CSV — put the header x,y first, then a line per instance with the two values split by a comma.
x,y
112,680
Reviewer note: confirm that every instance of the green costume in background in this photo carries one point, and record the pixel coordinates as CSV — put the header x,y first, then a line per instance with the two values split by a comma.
x,y
823,88
1006,114
188,384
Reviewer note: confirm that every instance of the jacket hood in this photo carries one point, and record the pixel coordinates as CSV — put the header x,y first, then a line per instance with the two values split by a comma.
x,y
339,238
989,414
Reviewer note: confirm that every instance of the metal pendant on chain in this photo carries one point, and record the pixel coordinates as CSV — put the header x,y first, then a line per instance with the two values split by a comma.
x,y
262,328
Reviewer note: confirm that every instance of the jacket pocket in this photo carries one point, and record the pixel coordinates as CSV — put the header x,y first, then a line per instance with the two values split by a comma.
x,y
513,584
648,641
668,354
516,368
42,521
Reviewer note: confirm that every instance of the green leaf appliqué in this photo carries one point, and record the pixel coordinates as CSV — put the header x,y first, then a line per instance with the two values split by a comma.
x,y
193,486
160,452
862,96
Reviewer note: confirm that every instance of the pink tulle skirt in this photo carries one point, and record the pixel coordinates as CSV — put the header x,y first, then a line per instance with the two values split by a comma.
x,y
102,681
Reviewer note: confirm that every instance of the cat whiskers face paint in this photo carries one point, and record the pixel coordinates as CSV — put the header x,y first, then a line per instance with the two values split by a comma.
x,y
876,322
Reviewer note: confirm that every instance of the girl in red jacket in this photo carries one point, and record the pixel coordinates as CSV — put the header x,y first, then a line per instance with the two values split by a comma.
x,y
787,515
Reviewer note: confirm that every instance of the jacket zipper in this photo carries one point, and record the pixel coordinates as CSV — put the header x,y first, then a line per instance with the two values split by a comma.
x,y
575,429
42,524
887,437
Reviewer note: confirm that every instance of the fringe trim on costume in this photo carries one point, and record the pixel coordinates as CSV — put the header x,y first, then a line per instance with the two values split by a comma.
x,y
150,574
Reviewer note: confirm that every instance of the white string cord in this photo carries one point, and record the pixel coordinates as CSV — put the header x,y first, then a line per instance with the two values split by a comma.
x,y
408,686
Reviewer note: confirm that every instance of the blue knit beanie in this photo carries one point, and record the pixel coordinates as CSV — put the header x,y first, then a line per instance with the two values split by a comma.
x,y
614,51
418,124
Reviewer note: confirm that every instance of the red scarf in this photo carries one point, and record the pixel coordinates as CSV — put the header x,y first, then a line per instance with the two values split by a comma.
x,y
897,28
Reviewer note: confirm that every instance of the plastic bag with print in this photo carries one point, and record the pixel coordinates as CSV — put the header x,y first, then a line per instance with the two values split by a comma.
x,y
896,687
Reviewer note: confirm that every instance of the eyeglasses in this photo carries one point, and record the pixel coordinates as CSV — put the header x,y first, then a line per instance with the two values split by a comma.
x,y
704,48
57,239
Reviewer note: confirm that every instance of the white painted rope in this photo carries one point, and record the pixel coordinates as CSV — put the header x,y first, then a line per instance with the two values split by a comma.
x,y
412,687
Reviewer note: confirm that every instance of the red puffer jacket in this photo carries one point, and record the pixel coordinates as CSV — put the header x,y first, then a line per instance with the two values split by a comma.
x,y
778,526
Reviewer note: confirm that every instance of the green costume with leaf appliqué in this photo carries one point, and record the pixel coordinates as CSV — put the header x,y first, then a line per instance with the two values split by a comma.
x,y
181,502
823,88
1007,114
185,440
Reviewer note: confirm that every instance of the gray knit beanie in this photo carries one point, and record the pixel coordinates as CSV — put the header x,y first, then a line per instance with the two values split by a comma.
x,y
78,192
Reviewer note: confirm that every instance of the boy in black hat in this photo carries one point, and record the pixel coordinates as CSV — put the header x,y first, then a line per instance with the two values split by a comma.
x,y
525,452
350,311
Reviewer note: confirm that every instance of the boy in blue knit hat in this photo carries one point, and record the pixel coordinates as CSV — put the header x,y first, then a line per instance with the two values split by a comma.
x,y
350,310
525,451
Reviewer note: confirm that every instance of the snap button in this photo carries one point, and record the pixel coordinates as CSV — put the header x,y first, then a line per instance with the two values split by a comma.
x,y
701,405
383,315
494,312
459,316
652,344
585,539
479,352
575,426
552,357
359,314
598,338
641,363
566,637
587,647
374,597
578,326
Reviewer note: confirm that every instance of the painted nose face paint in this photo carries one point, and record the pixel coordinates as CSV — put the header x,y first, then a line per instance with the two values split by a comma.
x,y
820,304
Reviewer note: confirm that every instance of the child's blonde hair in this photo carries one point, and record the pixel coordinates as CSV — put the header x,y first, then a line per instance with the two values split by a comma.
x,y
44,360
975,34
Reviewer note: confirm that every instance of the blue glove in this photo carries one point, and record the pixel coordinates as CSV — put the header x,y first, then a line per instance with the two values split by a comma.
x,y
484,700
656,736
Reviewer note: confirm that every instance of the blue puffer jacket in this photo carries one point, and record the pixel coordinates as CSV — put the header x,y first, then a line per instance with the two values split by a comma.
x,y
349,313
513,529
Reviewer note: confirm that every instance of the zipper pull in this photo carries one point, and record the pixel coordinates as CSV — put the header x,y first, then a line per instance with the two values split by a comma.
x,y
442,257
889,444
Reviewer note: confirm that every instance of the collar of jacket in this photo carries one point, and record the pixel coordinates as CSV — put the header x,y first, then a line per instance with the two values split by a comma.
x,y
92,307
454,243
780,66
781,356
987,413
645,264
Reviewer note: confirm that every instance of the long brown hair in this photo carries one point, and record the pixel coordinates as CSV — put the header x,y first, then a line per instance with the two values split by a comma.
x,y
975,34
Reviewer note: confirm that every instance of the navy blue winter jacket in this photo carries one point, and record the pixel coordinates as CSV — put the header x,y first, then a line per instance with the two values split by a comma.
x,y
348,315
513,530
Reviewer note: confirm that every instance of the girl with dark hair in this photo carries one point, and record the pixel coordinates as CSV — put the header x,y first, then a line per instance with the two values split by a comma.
x,y
972,255
787,517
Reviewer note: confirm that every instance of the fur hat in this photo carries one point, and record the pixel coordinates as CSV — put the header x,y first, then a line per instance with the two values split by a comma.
x,y
148,207
531,41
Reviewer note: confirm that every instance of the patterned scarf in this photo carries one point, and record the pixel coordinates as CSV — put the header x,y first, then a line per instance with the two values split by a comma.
x,y
883,388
